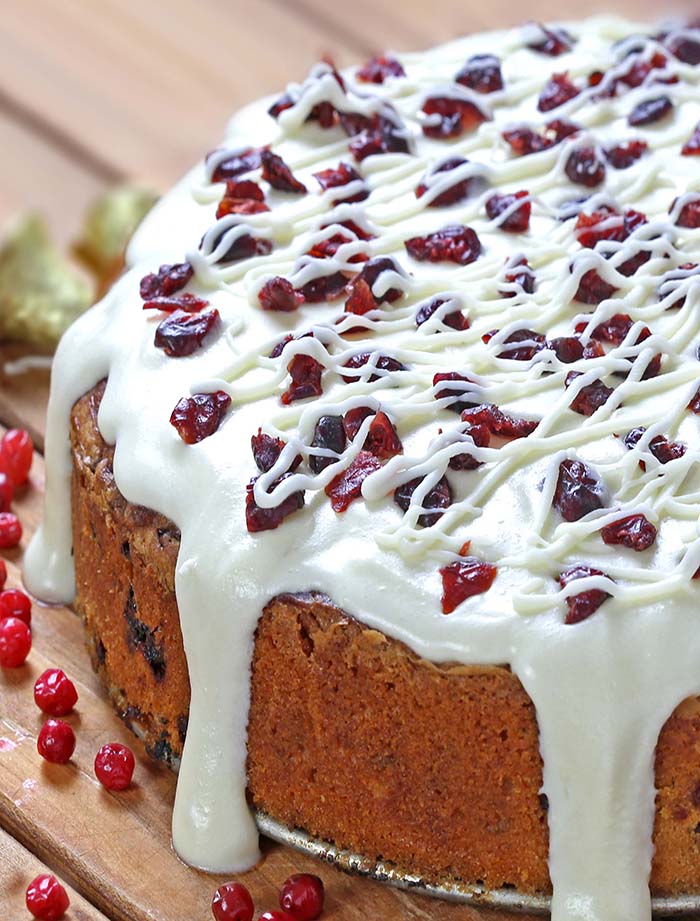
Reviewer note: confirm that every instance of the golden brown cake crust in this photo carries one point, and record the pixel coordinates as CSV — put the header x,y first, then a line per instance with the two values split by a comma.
x,y
351,736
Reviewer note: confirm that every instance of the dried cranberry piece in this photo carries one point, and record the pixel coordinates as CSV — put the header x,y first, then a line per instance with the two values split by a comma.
x,y
593,289
279,175
535,344
382,438
559,130
584,604
451,117
279,294
553,42
324,288
361,297
498,422
267,519
353,419
659,447
567,348
518,272
558,91
689,215
584,167
379,136
284,102
672,281
692,147
242,196
245,161
336,178
455,243
329,433
634,531
186,302
305,373
460,190
607,224
455,319
525,141
694,405
518,221
482,74
199,416
244,246
379,68
447,377
382,363
625,155
579,490
481,436
347,486
464,578
182,333
166,281
590,398
685,48
439,497
266,450
651,110
615,329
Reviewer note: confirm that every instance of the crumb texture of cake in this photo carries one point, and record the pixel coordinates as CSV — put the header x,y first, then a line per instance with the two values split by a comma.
x,y
419,338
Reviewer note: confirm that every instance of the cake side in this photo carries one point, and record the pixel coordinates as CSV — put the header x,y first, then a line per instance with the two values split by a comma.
x,y
351,735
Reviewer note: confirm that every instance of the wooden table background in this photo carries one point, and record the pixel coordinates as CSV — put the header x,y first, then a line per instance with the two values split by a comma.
x,y
93,92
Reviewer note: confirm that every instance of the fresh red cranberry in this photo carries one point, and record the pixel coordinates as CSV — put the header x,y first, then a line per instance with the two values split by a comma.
x,y
15,642
379,68
439,497
455,243
625,155
535,343
482,74
381,363
232,902
450,118
455,319
589,398
518,274
181,333
244,161
16,455
14,603
553,42
7,492
3,574
279,294
347,486
634,531
341,176
498,422
199,416
455,192
55,693
114,766
56,742
579,490
584,167
267,519
305,373
454,389
692,147
10,531
651,110
518,220
463,579
584,604
481,436
169,304
168,280
567,348
593,289
301,896
558,91
279,175
46,899
689,215
275,915
329,433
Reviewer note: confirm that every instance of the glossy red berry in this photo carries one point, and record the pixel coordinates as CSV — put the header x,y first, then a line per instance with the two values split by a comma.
x,y
232,902
10,531
46,899
301,896
275,916
55,693
114,766
14,603
16,455
463,579
3,573
15,642
56,742
6,492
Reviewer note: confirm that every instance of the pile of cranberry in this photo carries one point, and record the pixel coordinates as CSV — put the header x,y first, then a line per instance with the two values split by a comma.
x,y
300,899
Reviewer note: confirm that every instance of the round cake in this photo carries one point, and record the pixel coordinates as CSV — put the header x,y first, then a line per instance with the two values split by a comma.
x,y
375,477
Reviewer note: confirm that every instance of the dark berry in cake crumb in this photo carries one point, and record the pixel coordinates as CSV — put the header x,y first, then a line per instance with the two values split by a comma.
x,y
463,579
55,693
481,73
181,334
650,111
455,243
279,294
16,455
199,416
589,398
567,348
187,302
625,155
579,490
232,902
518,220
341,176
10,531
455,192
301,896
46,899
692,147
168,280
56,742
455,319
558,91
379,68
583,605
244,161
15,642
114,766
279,175
267,519
382,438
593,289
450,118
584,167
6,492
634,531
347,486
439,497
15,603
329,433
305,373
553,42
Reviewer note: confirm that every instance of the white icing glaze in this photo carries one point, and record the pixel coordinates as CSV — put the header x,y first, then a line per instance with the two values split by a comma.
x,y
603,688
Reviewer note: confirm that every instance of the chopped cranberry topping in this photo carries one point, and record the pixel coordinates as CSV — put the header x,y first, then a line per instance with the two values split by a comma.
x,y
266,451
593,289
182,333
279,175
584,604
187,302
634,531
518,274
554,42
455,243
439,497
7,492
232,902
464,578
353,419
625,155
498,422
455,319
382,439
305,373
525,141
329,433
339,177
279,294
56,742
659,447
450,118
567,348
379,136
589,398
458,191
245,161
10,531
615,329
199,416
693,406
689,215
361,297
301,896
579,490
382,363
558,91
651,110
535,343
267,519
518,219
324,288
692,147
684,48
482,74
244,246
347,486
584,167
15,642
481,436
55,693
14,603
456,392
242,196
607,224
168,280
16,455
114,766
46,899
379,68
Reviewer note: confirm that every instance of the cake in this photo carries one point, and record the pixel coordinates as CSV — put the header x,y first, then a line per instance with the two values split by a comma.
x,y
375,476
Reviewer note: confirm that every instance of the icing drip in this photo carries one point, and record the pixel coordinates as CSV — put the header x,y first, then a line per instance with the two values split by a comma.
x,y
602,688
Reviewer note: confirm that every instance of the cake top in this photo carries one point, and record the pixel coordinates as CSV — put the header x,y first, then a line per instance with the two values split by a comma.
x,y
423,336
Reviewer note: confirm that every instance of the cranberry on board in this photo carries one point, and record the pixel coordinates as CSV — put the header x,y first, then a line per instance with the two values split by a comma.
x,y
10,531
114,766
56,742
54,692
301,896
14,603
3,573
232,902
7,492
15,642
16,454
46,899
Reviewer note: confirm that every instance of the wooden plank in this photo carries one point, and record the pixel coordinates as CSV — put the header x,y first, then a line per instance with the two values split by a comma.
x,y
24,392
115,849
18,867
